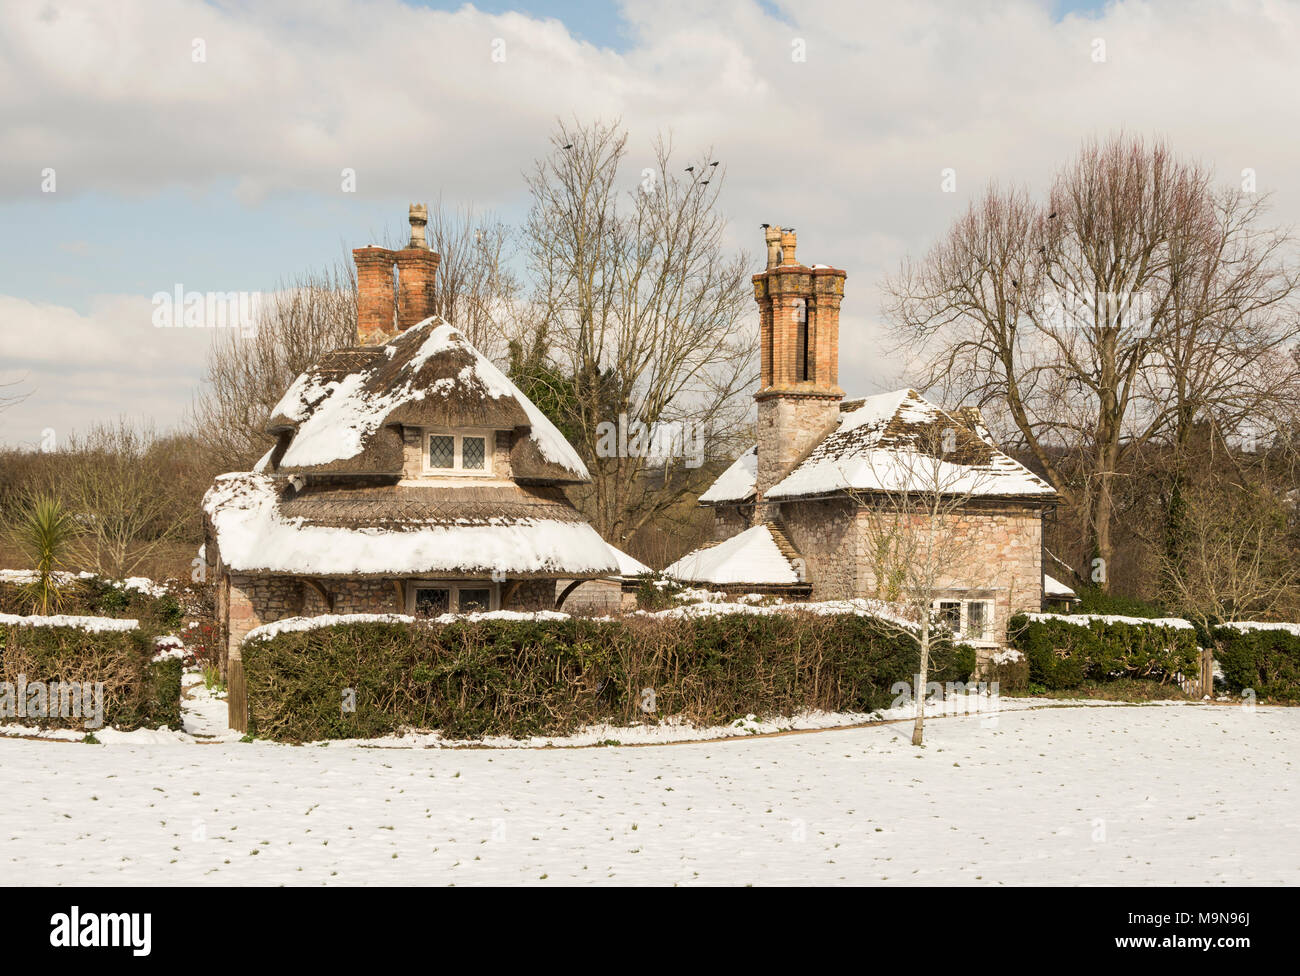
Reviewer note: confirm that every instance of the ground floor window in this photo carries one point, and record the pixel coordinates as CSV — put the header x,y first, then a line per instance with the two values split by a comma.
x,y
968,619
432,597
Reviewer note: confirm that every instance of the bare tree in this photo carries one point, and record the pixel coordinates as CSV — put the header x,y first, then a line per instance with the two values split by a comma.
x,y
247,375
1236,561
123,510
476,288
1133,295
640,325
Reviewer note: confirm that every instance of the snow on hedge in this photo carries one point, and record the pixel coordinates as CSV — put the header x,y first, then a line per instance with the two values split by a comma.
x,y
1083,619
1249,625
887,612
296,624
168,648
91,625
140,584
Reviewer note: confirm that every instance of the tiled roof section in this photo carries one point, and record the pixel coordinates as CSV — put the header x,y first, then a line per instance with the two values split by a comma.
x,y
886,443
736,484
759,556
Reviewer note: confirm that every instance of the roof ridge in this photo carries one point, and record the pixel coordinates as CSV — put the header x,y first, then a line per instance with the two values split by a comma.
x,y
782,539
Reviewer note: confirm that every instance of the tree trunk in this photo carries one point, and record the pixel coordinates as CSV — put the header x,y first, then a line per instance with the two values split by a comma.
x,y
922,678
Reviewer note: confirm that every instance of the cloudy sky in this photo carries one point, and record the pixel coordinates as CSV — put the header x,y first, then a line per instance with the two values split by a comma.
x,y
224,173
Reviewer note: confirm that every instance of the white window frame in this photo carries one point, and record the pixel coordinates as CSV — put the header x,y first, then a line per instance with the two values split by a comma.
x,y
963,632
458,439
454,586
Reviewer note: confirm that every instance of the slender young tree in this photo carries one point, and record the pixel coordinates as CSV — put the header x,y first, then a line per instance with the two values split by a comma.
x,y
917,544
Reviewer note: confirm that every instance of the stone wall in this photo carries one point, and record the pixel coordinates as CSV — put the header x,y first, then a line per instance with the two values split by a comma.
x,y
598,596
729,520
828,538
789,427
256,600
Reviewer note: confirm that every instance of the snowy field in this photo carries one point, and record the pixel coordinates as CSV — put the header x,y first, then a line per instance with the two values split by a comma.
x,y
1068,795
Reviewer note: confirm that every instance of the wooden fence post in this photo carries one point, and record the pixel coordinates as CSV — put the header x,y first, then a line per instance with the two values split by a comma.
x,y
1206,682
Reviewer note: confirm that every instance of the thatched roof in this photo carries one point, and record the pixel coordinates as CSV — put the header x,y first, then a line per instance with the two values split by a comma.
x,y
261,524
344,414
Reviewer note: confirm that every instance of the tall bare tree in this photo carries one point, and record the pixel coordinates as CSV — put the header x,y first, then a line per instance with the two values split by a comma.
x,y
640,318
1134,294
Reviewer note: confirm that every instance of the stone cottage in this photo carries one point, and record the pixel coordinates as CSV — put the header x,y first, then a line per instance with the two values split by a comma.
x,y
791,514
408,475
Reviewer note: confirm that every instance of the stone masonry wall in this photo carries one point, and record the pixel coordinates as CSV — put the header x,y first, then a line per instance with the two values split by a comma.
x,y
257,600
788,428
998,556
827,537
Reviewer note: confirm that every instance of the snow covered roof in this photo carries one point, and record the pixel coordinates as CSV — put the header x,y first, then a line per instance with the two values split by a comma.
x,y
891,442
261,524
627,566
343,415
1054,589
736,484
759,556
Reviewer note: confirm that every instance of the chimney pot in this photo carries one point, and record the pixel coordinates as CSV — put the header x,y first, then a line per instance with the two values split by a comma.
x,y
772,237
419,219
788,242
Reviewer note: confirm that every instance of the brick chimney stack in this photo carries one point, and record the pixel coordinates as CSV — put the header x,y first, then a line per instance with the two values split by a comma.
x,y
799,329
381,310
417,269
375,306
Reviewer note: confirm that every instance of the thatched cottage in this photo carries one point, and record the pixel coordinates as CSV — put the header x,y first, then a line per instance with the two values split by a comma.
x,y
791,513
409,475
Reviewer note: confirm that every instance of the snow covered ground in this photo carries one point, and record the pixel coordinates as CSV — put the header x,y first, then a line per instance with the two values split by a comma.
x,y
1070,795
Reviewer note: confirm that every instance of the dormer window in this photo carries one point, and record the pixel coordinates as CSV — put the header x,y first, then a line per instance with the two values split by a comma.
x,y
458,452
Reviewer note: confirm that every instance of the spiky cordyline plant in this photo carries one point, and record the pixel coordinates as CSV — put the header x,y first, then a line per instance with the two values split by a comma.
x,y
43,533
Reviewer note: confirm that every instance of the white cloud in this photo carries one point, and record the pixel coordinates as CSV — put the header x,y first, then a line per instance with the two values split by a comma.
x,y
75,370
847,146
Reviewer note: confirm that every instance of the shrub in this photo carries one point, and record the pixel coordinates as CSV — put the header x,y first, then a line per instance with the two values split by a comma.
x,y
1093,599
1064,652
1010,671
522,678
137,691
1265,661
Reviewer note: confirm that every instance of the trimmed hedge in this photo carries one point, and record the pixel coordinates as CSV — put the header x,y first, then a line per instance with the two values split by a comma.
x,y
1064,655
523,678
1265,661
137,691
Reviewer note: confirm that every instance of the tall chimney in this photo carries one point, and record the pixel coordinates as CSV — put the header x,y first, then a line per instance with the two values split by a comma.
x,y
417,269
799,333
374,294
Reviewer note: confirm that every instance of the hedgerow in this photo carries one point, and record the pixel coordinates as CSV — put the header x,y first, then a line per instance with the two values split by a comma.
x,y
470,679
138,692
1064,652
1265,661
